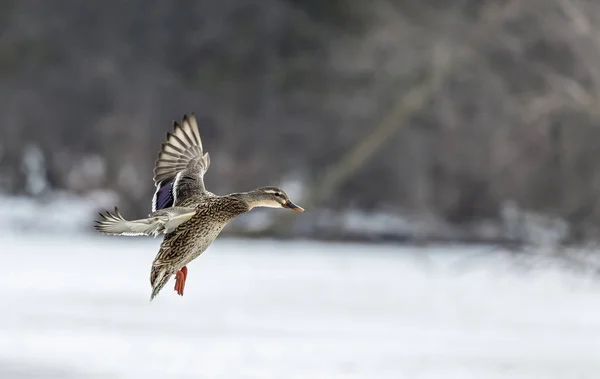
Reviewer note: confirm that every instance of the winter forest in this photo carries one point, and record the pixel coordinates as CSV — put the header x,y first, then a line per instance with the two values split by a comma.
x,y
420,120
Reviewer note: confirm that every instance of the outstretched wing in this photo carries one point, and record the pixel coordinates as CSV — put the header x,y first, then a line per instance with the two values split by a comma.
x,y
162,221
181,165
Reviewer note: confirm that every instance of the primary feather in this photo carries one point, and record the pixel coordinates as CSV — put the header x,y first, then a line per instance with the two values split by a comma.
x,y
181,164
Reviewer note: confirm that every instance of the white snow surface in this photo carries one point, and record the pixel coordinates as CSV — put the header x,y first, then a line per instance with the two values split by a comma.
x,y
78,307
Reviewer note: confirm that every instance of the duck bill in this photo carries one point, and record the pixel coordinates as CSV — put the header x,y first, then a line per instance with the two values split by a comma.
x,y
294,207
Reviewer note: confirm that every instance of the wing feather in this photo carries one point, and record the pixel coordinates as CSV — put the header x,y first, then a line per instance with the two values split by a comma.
x,y
162,221
182,156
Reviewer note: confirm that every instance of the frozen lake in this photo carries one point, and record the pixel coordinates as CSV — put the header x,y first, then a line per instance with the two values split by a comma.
x,y
79,308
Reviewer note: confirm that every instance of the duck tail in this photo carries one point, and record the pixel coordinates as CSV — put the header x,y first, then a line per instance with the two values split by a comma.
x,y
158,280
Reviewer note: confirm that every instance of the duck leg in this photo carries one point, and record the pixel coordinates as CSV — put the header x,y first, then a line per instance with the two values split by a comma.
x,y
180,277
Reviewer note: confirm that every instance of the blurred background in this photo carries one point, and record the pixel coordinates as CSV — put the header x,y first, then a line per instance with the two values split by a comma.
x,y
424,138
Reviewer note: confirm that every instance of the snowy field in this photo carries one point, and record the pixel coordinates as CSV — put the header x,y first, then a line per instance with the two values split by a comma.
x,y
78,307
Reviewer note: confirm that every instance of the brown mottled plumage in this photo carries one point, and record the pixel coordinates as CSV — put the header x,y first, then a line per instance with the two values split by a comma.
x,y
189,216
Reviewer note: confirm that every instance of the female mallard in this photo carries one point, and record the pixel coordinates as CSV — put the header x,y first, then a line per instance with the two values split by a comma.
x,y
190,216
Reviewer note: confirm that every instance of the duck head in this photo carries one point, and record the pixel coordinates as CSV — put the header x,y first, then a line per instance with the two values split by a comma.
x,y
271,197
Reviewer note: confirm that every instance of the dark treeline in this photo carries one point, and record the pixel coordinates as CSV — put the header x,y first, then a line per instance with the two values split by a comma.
x,y
454,111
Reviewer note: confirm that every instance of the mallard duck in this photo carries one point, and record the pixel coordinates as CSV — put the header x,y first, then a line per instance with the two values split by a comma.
x,y
189,216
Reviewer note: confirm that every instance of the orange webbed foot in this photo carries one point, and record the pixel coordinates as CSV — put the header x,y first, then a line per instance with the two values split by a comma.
x,y
180,277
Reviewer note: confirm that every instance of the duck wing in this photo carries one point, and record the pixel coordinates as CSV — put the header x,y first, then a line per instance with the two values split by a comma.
x,y
181,164
161,221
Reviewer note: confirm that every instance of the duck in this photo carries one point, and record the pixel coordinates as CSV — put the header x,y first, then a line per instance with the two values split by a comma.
x,y
188,216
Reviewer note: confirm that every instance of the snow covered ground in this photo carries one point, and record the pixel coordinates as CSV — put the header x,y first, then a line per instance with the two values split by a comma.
x,y
78,307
